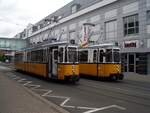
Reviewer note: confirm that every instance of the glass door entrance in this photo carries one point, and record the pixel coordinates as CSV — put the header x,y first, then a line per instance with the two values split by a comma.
x,y
131,62
128,62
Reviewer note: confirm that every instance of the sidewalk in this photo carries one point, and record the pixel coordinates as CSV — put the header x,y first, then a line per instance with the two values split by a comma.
x,y
15,98
136,77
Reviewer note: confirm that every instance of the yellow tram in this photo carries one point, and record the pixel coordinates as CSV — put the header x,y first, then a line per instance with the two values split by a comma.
x,y
101,61
57,60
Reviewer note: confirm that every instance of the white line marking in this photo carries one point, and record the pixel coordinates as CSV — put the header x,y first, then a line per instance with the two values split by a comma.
x,y
66,106
28,82
22,80
60,97
91,110
34,87
119,107
47,93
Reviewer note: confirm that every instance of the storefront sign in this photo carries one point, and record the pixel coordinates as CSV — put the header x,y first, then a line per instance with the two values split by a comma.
x,y
131,44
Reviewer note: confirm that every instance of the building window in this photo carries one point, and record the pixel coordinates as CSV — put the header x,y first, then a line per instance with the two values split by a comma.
x,y
131,25
74,8
148,15
111,29
148,3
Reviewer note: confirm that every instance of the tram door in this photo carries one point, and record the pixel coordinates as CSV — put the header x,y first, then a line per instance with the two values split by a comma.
x,y
54,62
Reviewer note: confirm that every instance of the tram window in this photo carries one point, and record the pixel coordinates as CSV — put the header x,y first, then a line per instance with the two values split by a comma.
x,y
116,55
28,56
61,50
95,56
18,57
37,56
108,55
101,56
44,55
83,56
55,55
72,54
33,56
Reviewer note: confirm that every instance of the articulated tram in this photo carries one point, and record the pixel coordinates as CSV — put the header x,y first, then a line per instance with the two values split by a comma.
x,y
100,61
57,60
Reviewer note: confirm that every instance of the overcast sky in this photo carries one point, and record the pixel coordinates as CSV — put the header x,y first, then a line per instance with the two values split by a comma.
x,y
16,14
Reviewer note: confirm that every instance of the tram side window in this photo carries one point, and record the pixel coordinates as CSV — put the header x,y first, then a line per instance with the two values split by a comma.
x,y
95,56
28,56
18,57
40,56
33,56
55,55
83,56
44,55
61,50
102,54
116,55
37,56
72,54
108,55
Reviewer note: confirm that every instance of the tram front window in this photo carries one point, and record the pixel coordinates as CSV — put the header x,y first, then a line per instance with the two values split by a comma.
x,y
116,55
72,54
108,55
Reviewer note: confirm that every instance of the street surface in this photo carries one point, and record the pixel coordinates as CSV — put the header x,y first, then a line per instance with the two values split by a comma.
x,y
132,95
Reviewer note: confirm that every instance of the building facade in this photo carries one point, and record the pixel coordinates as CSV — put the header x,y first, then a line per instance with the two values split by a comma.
x,y
8,46
123,22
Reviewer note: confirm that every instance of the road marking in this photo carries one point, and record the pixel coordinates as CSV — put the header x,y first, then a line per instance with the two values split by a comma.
x,y
34,87
92,110
27,82
66,99
22,80
47,93
60,97
66,106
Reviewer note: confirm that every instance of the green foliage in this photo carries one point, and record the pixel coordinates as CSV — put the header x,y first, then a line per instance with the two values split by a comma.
x,y
2,58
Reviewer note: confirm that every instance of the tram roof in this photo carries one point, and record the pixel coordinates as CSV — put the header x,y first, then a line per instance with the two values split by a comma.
x,y
102,45
41,46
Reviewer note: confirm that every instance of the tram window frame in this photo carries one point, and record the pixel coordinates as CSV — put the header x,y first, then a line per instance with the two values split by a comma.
x,y
108,56
61,54
116,59
56,55
37,56
19,57
101,55
44,55
95,58
84,58
73,57
28,56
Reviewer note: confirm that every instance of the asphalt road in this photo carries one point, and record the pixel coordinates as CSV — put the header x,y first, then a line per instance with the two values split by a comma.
x,y
132,95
